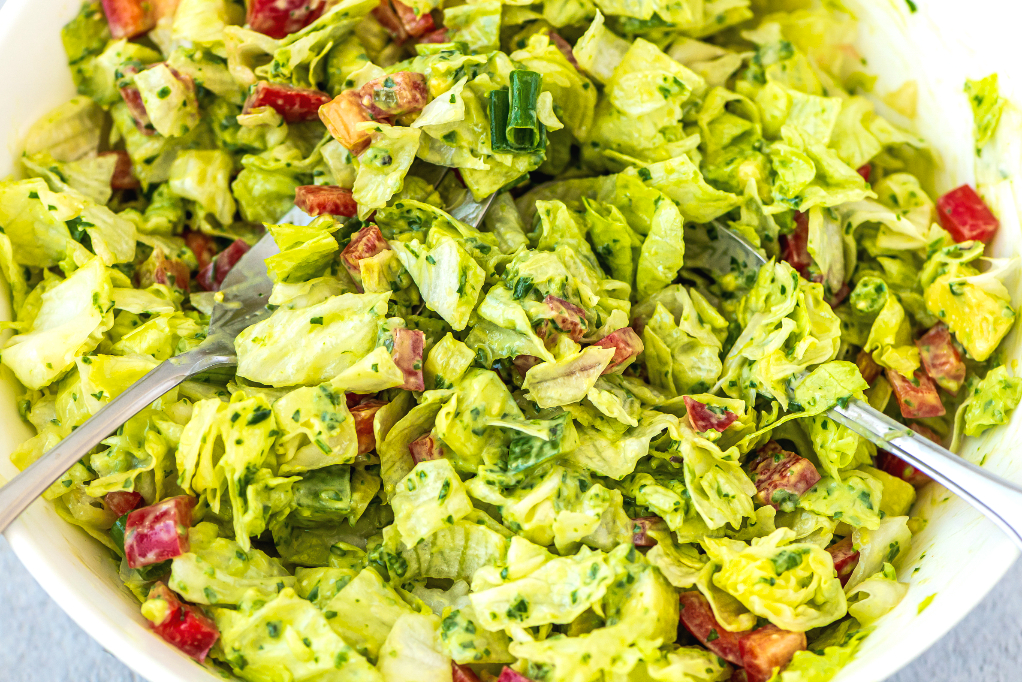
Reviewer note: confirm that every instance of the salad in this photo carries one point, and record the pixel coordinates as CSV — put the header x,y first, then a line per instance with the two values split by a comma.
x,y
548,448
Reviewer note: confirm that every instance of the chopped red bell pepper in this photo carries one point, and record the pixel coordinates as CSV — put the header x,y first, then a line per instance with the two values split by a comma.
x,y
627,346
567,318
407,354
795,246
845,558
342,116
917,397
280,18
394,95
120,502
414,24
364,415
425,448
704,417
868,367
941,358
293,104
768,648
326,200
158,269
129,18
212,276
158,532
697,617
965,216
462,673
365,243
124,172
183,625
781,477
641,527
202,246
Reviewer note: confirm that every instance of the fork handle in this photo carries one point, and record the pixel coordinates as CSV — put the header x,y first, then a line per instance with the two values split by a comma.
x,y
996,498
24,488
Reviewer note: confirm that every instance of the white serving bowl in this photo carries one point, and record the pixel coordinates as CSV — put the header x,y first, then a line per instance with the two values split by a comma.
x,y
959,556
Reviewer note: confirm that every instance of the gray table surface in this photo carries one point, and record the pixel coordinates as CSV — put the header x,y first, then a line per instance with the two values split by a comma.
x,y
38,643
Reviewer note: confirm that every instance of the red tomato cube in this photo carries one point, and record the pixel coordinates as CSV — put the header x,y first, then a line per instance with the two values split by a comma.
x,y
364,415
202,246
129,18
414,24
781,477
941,358
565,318
389,20
437,36
124,173
425,448
845,558
462,673
342,116
407,354
627,346
133,99
641,527
865,171
280,18
158,269
898,467
795,246
158,532
365,243
326,200
965,216
768,648
121,502
704,417
868,367
509,675
917,397
293,104
212,276
697,617
394,95
183,625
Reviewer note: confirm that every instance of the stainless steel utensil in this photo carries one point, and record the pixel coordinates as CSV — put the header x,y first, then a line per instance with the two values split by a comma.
x,y
1000,500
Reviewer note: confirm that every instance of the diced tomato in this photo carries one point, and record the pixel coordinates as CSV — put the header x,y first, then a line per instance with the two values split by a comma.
x,y
523,363
795,246
407,354
183,625
898,467
768,648
121,502
704,417
462,673
394,95
641,527
865,170
697,617
564,46
341,117
164,8
845,558
279,18
567,318
917,397
124,175
941,358
965,216
364,414
202,246
509,675
326,200
293,104
627,346
158,269
389,20
926,432
158,532
414,24
437,36
425,448
133,99
212,276
365,243
129,18
781,477
868,367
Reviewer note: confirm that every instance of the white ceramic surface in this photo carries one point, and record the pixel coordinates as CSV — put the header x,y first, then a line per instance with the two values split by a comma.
x,y
957,558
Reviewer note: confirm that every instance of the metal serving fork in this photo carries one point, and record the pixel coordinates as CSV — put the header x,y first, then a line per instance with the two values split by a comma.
x,y
240,303
998,499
